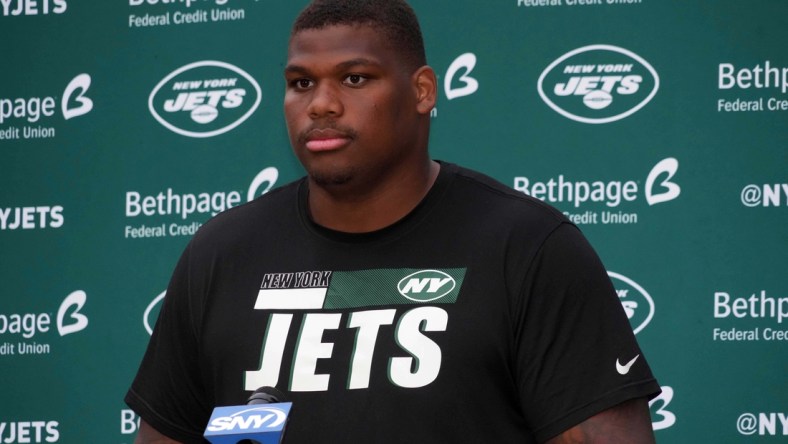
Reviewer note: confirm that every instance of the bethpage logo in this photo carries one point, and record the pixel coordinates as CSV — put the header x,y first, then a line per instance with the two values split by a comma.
x,y
204,99
575,3
637,303
659,188
661,417
598,84
458,81
33,7
182,12
28,326
462,65
129,422
754,309
33,110
168,203
763,424
750,85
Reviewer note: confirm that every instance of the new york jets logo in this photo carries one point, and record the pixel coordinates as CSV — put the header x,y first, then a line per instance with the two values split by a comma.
x,y
637,303
204,99
426,285
598,84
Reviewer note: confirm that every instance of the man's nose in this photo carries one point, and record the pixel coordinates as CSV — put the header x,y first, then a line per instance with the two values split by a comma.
x,y
325,102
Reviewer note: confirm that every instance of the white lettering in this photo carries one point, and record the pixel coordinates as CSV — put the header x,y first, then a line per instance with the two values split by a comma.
x,y
129,422
273,352
417,370
168,203
368,324
416,285
30,109
20,432
309,349
437,283
784,421
25,217
768,424
27,324
611,193
758,77
424,365
31,7
756,306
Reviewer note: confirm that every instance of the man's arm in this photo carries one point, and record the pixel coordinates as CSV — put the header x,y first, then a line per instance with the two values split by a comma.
x,y
149,435
626,423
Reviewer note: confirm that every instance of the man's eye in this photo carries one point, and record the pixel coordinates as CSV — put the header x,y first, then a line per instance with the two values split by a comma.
x,y
301,83
355,79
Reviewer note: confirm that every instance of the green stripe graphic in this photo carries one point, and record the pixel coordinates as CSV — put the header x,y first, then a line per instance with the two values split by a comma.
x,y
394,286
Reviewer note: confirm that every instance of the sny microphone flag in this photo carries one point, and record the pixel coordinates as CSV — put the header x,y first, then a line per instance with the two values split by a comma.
x,y
264,423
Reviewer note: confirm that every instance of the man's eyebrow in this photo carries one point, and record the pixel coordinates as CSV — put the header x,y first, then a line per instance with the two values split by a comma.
x,y
298,69
357,62
295,69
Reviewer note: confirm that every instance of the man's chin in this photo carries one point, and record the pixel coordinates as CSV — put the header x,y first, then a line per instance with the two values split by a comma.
x,y
333,179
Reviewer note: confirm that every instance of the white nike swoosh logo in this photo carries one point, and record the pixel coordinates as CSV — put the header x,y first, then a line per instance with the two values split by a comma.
x,y
624,369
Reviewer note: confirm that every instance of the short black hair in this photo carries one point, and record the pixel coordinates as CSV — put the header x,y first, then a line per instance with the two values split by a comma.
x,y
394,18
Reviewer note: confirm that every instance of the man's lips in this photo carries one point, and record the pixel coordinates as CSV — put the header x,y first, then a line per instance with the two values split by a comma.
x,y
326,144
326,139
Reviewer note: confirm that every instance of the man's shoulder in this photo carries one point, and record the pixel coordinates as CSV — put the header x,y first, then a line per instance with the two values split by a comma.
x,y
492,195
253,215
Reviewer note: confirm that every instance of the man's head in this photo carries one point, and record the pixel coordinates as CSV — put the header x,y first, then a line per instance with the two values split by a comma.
x,y
392,18
358,95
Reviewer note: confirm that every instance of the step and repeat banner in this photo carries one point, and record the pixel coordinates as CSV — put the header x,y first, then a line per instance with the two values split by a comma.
x,y
660,127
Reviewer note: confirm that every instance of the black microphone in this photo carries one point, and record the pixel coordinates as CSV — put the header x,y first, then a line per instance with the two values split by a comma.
x,y
261,420
267,395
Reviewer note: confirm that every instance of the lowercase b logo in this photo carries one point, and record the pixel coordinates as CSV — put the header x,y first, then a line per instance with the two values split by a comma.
x,y
71,306
668,190
470,85
80,83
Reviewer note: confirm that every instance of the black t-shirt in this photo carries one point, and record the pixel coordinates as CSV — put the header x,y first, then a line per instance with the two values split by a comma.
x,y
482,316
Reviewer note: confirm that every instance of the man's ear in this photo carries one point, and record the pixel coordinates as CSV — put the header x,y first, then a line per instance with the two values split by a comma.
x,y
426,87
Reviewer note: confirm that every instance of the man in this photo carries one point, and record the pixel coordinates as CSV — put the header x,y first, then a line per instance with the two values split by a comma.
x,y
395,298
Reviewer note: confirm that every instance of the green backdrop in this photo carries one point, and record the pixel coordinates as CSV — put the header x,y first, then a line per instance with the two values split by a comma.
x,y
658,126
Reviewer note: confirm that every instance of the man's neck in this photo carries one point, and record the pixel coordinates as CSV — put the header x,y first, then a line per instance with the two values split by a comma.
x,y
363,211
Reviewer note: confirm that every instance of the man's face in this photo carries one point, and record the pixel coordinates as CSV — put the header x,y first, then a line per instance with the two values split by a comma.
x,y
350,105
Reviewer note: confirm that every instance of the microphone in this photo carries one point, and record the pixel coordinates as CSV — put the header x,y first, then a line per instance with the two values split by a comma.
x,y
261,420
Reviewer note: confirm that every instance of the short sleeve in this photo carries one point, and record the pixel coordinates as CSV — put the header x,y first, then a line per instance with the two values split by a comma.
x,y
168,392
573,339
